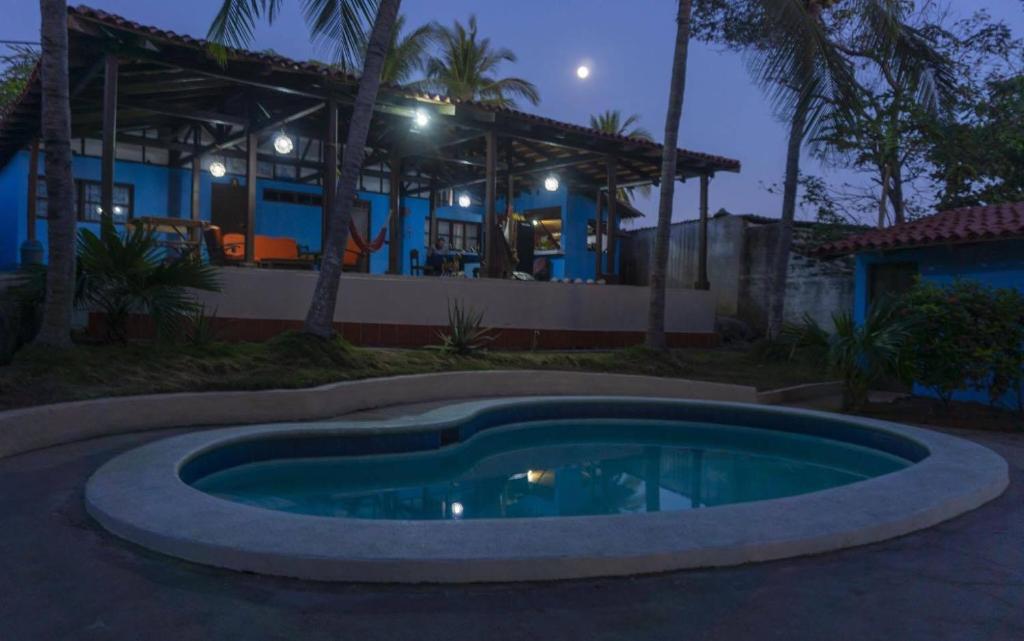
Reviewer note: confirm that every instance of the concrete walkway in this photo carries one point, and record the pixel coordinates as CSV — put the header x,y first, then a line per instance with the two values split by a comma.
x,y
61,577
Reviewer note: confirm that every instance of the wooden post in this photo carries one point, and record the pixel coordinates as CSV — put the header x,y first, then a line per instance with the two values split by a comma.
x,y
490,215
432,234
251,170
597,236
194,208
33,189
395,216
109,135
702,246
613,218
330,160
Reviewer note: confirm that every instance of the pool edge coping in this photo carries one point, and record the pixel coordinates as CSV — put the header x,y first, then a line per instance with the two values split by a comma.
x,y
957,477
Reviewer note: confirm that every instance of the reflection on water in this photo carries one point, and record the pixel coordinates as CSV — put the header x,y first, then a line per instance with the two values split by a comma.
x,y
549,470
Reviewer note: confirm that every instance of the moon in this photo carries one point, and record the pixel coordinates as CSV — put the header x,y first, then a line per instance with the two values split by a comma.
x,y
583,72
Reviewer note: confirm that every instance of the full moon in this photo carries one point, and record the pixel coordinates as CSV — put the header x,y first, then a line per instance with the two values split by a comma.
x,y
583,72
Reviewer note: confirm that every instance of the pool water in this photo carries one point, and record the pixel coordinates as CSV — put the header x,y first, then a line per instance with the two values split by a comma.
x,y
558,468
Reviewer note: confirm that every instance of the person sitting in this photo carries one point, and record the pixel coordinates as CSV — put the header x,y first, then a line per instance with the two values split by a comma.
x,y
437,257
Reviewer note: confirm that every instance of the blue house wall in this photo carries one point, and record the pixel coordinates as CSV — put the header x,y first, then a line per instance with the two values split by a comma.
x,y
152,190
995,264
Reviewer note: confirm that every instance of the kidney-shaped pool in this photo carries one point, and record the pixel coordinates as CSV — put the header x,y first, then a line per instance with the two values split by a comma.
x,y
538,488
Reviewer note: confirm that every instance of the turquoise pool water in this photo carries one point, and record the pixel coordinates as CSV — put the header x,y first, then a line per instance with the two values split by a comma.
x,y
556,468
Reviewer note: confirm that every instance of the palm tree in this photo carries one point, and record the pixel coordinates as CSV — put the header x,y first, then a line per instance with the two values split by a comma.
x,y
612,122
465,65
60,212
812,83
339,19
677,89
340,25
407,55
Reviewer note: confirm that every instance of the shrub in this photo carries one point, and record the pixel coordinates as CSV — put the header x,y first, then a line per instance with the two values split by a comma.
x,y
466,333
125,274
864,354
966,336
860,355
21,312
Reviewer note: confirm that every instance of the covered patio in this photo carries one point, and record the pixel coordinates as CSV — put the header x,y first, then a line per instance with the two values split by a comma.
x,y
175,140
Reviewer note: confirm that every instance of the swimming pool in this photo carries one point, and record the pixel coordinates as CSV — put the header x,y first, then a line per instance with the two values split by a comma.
x,y
551,468
538,488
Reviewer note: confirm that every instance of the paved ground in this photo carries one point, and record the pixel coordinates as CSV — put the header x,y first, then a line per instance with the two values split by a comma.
x,y
61,577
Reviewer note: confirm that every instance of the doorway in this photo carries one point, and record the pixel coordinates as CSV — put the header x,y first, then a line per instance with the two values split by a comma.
x,y
228,207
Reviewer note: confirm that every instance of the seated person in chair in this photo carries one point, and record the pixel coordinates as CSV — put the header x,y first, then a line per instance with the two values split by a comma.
x,y
437,257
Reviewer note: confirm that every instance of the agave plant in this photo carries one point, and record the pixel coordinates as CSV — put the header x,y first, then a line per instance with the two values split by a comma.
x,y
466,333
124,274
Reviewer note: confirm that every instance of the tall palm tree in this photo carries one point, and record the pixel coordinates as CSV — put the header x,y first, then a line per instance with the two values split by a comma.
x,y
465,65
407,55
340,20
677,89
339,25
60,212
612,122
812,82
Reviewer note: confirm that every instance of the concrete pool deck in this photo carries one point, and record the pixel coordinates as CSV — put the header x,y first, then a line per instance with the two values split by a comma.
x,y
66,578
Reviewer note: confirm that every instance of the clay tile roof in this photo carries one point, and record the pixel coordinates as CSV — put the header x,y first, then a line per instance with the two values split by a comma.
x,y
965,225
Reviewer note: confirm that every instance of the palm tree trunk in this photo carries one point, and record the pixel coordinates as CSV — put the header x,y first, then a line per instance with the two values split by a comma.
x,y
656,310
780,261
883,198
320,318
60,212
899,206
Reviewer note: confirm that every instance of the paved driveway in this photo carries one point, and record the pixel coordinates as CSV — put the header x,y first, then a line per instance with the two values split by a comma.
x,y
62,577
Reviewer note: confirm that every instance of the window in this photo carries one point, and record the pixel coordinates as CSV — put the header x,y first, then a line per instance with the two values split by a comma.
x,y
889,280
292,197
547,228
459,236
90,198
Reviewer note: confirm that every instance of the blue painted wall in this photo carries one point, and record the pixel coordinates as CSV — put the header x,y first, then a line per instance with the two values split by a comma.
x,y
995,264
301,222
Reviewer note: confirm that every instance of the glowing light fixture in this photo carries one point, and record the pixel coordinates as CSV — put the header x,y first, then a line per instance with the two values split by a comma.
x,y
534,476
551,183
583,72
217,169
457,510
283,144
421,118
465,200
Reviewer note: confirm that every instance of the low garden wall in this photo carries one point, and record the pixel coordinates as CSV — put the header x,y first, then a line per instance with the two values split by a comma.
x,y
398,311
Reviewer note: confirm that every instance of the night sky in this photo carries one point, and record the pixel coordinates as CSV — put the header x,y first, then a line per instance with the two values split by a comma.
x,y
627,44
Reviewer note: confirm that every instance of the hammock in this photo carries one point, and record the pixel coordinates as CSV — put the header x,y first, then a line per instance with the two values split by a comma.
x,y
367,247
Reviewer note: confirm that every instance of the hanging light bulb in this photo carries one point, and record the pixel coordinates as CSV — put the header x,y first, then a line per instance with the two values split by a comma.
x,y
421,118
283,144
551,183
217,169
465,200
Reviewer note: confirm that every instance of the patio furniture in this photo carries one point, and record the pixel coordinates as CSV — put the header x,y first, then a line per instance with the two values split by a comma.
x,y
184,233
268,251
218,253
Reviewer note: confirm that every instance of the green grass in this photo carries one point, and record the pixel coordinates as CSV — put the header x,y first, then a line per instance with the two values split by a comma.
x,y
38,376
